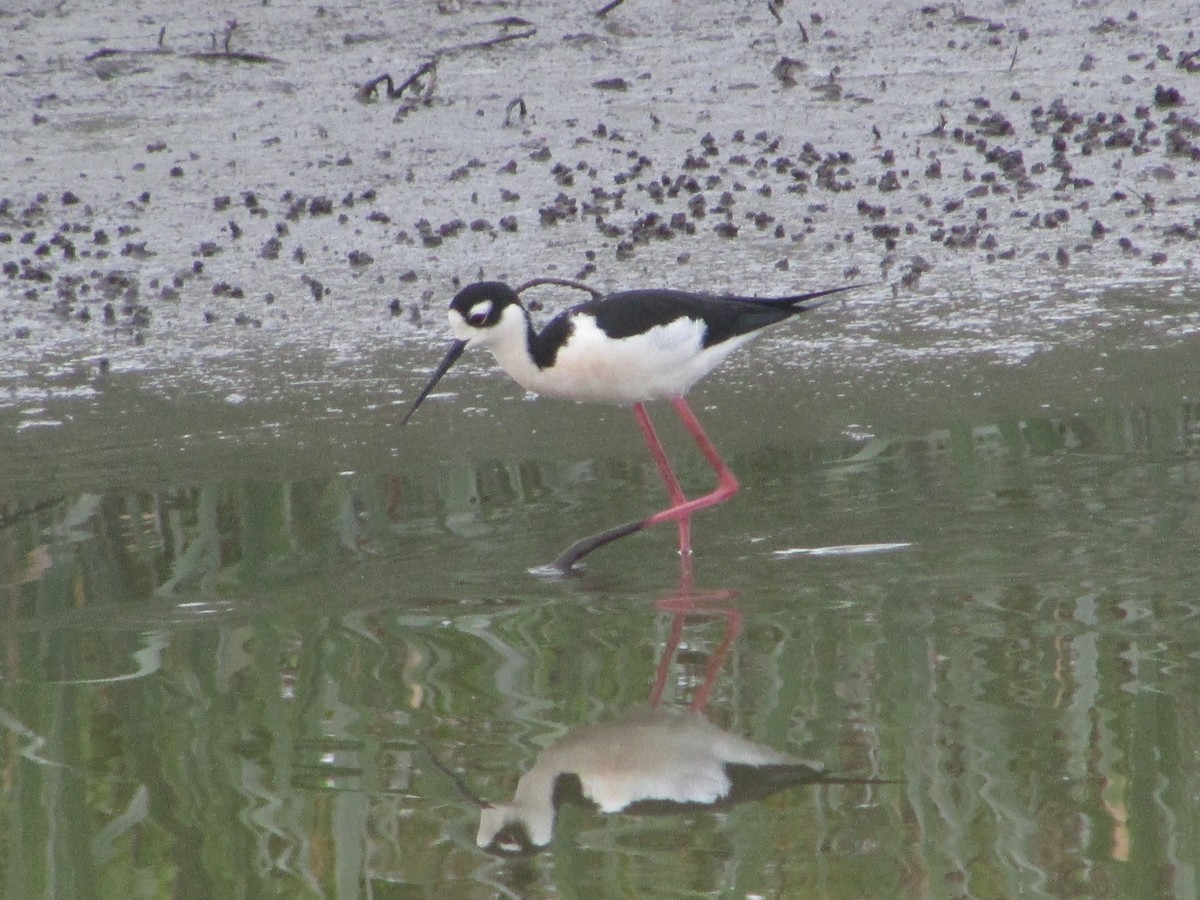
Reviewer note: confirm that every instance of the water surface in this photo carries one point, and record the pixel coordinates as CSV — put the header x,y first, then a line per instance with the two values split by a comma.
x,y
238,685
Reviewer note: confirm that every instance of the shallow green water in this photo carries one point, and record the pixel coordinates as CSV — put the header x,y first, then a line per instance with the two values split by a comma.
x,y
229,686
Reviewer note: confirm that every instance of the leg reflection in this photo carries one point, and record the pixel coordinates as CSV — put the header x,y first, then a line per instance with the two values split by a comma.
x,y
687,603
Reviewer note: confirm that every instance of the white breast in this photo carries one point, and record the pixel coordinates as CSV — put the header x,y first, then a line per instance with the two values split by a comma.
x,y
661,363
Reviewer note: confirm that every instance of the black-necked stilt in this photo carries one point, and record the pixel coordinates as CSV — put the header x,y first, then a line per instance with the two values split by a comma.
x,y
626,348
651,761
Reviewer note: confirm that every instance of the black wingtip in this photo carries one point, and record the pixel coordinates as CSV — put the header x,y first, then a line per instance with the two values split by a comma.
x,y
798,303
803,302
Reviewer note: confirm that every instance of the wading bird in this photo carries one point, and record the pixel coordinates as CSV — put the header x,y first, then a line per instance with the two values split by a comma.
x,y
626,348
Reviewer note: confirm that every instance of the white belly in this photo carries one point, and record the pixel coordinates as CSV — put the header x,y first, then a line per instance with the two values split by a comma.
x,y
659,364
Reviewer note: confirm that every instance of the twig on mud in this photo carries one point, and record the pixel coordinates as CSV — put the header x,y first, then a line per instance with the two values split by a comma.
x,y
490,42
394,93
517,103
367,91
107,52
939,130
214,55
225,56
203,55
561,282
607,8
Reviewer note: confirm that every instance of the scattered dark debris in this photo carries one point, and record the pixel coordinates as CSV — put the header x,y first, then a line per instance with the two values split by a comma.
x,y
787,69
644,203
224,289
889,181
136,250
1167,97
316,288
563,207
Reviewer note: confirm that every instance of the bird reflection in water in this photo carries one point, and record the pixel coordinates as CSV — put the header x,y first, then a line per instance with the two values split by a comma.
x,y
654,759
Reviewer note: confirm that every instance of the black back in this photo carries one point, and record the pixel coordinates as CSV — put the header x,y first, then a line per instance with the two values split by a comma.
x,y
628,313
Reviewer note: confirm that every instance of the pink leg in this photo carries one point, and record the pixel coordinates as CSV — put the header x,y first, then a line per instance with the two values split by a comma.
x,y
733,627
674,489
668,656
727,483
688,602
681,508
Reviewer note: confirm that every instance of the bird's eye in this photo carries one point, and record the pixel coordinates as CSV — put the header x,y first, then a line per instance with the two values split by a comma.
x,y
477,315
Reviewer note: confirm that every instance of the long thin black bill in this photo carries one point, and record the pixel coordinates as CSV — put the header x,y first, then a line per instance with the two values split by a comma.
x,y
459,784
452,354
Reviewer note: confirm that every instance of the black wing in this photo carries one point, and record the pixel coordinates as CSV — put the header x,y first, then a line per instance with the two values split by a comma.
x,y
632,312
628,313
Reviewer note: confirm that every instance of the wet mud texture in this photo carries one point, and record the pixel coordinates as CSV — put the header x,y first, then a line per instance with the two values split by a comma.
x,y
178,186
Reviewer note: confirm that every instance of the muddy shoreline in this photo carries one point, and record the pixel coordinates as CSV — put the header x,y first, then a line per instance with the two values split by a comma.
x,y
190,201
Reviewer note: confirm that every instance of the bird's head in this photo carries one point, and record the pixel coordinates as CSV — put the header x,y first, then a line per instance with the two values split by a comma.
x,y
480,308
482,313
508,830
